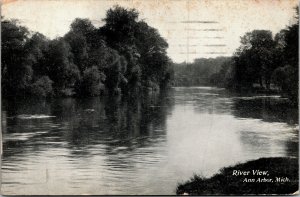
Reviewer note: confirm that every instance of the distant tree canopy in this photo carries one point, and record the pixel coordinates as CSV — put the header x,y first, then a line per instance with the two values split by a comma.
x,y
124,55
202,71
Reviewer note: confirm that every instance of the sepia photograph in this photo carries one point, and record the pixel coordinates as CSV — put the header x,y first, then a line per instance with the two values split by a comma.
x,y
149,97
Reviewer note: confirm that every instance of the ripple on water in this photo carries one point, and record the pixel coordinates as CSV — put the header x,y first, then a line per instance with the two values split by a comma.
x,y
138,147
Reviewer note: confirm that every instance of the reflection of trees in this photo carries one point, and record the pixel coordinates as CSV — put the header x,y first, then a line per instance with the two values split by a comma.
x,y
292,146
273,142
12,125
255,142
79,124
266,109
25,106
134,125
130,122
268,138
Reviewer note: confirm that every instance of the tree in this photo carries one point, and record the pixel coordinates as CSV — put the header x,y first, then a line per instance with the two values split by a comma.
x,y
121,55
37,47
203,71
42,87
119,32
79,49
115,70
81,38
254,59
223,77
286,76
291,49
133,71
153,56
141,45
91,82
119,27
16,72
61,69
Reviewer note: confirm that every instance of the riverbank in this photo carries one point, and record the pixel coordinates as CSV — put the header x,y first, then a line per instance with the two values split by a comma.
x,y
281,178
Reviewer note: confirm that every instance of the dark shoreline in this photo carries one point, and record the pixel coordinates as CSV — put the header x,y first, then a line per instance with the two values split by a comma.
x,y
225,183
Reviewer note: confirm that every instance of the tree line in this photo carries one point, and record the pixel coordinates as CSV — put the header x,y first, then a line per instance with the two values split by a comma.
x,y
264,62
124,55
199,72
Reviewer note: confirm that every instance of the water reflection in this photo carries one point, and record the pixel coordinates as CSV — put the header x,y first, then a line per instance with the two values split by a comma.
x,y
271,123
143,144
130,122
268,109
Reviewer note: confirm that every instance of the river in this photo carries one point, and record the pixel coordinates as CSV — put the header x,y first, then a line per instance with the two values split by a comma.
x,y
138,145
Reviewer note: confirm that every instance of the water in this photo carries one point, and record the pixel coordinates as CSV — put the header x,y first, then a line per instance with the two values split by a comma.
x,y
137,145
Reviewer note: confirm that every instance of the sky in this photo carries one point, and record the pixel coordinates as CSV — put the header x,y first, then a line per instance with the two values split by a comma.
x,y
193,28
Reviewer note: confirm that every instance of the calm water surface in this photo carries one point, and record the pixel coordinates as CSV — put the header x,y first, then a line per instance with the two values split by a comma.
x,y
138,145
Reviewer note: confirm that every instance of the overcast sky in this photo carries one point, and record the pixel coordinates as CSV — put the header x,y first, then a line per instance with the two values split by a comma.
x,y
193,28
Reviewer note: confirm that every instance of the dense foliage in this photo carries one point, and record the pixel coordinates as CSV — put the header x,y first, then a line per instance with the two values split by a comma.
x,y
124,55
267,63
199,72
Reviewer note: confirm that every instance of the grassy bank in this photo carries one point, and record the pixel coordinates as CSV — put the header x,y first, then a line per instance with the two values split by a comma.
x,y
227,181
